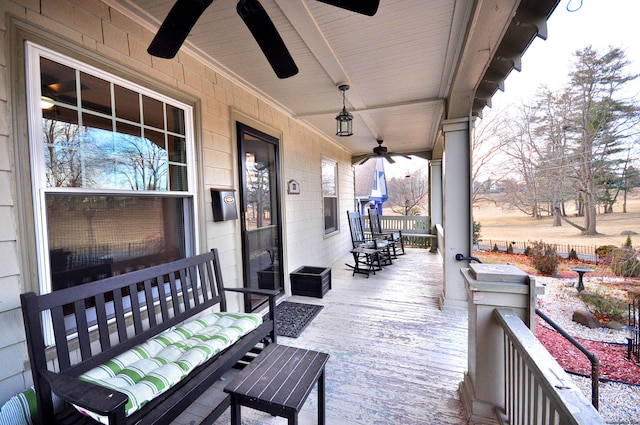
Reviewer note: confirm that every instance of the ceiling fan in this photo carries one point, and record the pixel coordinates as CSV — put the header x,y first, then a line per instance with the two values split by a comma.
x,y
380,152
184,14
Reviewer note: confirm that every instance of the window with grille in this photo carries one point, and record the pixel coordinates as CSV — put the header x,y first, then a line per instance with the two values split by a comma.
x,y
112,171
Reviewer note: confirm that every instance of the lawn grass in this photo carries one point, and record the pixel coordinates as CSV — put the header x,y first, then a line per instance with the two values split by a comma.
x,y
502,224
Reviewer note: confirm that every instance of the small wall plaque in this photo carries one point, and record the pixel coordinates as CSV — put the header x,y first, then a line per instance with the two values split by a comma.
x,y
293,187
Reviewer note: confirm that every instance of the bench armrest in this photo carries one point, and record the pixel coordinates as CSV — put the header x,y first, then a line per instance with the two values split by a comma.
x,y
265,292
271,293
92,397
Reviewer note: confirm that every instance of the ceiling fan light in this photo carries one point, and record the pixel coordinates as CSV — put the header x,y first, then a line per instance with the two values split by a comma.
x,y
46,103
344,120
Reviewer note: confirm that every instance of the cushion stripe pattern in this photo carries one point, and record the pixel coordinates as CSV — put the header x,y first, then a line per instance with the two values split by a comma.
x,y
156,365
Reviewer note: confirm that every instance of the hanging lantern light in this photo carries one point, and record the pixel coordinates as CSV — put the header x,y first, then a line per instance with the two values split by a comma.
x,y
344,120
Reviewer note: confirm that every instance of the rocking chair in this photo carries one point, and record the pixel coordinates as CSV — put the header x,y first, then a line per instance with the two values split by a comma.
x,y
393,236
369,254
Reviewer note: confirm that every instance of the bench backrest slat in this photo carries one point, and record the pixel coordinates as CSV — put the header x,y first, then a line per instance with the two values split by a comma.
x,y
82,329
59,329
194,278
148,297
203,278
162,297
174,293
102,322
135,308
121,323
215,275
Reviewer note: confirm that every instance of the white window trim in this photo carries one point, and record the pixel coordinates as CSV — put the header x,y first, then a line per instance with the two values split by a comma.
x,y
337,196
33,53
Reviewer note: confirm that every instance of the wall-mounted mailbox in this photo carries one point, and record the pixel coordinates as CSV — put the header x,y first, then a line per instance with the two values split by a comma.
x,y
224,204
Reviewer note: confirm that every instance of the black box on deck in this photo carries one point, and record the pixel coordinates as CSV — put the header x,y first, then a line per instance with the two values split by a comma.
x,y
311,281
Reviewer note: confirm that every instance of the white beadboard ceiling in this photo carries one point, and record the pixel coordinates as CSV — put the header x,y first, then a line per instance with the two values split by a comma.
x,y
406,65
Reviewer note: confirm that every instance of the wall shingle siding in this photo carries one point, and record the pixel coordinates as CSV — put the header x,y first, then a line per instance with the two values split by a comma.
x,y
94,27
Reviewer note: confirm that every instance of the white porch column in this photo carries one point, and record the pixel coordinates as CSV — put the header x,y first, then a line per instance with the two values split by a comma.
x,y
435,200
435,192
456,207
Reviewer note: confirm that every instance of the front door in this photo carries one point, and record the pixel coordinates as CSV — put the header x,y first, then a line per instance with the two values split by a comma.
x,y
259,212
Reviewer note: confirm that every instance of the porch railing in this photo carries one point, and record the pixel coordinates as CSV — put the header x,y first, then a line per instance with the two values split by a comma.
x,y
537,390
415,228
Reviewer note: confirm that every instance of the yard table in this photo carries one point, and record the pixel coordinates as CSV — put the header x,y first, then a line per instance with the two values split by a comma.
x,y
279,381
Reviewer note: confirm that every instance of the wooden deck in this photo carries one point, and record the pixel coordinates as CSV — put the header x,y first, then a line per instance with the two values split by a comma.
x,y
395,357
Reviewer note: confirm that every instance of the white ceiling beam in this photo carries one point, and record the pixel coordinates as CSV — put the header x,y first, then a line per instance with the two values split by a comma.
x,y
307,28
360,112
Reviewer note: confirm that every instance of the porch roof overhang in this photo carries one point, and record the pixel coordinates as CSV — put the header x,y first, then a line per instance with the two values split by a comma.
x,y
412,65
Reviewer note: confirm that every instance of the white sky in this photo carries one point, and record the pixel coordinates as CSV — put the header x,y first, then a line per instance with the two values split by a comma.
x,y
599,23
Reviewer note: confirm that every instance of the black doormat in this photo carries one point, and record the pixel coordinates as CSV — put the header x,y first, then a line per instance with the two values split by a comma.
x,y
293,318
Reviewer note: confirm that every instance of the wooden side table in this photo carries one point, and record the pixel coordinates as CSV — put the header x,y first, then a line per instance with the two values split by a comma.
x,y
278,382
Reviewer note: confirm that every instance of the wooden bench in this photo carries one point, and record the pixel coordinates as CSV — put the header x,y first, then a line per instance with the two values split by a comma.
x,y
94,322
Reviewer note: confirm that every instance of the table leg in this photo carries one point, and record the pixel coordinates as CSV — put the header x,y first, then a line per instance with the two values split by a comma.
x,y
235,411
321,399
293,420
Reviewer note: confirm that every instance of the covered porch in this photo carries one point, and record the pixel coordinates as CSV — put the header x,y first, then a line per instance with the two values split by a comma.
x,y
396,358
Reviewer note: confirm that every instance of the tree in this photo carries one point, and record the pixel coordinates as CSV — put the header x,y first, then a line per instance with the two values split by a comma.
x,y
407,194
600,122
630,179
486,146
523,157
572,144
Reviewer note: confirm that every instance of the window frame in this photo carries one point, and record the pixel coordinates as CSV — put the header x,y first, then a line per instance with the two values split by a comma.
x,y
39,188
336,228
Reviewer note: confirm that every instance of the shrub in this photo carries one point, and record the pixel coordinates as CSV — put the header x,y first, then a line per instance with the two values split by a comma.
x,y
605,306
573,255
627,243
495,248
604,253
476,232
544,258
624,262
527,251
509,249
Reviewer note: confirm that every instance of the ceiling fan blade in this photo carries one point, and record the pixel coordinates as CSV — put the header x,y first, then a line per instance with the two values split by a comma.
x,y
388,158
364,160
366,7
399,154
267,37
176,27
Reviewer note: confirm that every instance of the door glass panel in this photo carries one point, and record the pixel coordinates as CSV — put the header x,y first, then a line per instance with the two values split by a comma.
x,y
261,221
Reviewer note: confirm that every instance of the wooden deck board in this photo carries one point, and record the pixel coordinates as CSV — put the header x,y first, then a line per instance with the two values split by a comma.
x,y
395,357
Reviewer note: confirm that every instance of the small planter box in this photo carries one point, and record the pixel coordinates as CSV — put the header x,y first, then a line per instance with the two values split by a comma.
x,y
311,281
267,278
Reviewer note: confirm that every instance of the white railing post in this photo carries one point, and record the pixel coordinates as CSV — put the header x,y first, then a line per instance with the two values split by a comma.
x,y
491,286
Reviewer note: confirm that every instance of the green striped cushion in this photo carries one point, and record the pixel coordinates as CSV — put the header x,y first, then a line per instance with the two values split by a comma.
x,y
153,367
19,409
